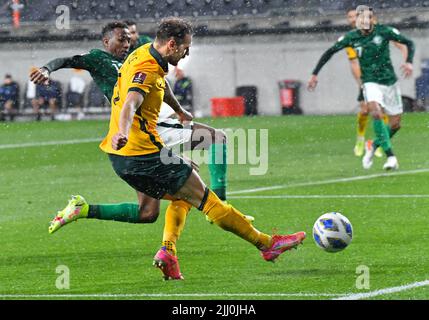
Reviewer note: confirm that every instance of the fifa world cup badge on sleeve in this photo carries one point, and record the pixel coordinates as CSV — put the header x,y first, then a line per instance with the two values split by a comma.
x,y
139,77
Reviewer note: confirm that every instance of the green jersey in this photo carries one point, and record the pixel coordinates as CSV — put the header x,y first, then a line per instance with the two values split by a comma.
x,y
373,53
102,66
142,40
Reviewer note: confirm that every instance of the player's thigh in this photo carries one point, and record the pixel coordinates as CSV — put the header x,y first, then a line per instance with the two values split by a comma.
x,y
155,174
393,101
203,136
375,109
147,202
193,190
174,133
364,109
373,92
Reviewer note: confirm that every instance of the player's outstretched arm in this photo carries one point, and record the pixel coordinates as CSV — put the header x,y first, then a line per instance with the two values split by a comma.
x,y
402,48
41,75
396,36
171,100
132,102
341,44
355,67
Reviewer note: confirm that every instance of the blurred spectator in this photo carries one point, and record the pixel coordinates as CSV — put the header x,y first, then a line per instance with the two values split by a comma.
x,y
74,95
96,97
183,90
9,98
30,95
48,96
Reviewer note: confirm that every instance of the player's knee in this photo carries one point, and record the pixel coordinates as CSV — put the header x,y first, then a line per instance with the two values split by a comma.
x,y
148,215
377,115
395,126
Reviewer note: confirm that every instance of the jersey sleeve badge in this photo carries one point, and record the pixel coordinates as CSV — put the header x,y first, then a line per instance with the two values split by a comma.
x,y
139,78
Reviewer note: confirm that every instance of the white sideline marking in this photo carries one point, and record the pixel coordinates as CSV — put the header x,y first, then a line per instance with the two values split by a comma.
x,y
48,143
329,181
161,295
358,296
333,196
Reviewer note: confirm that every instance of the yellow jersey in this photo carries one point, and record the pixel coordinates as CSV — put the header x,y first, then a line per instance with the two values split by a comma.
x,y
143,71
351,53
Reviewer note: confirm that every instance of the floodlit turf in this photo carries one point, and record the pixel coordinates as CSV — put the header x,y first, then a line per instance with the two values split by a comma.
x,y
307,156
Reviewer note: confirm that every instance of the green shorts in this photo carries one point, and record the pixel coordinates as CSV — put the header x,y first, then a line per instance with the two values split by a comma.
x,y
155,174
360,96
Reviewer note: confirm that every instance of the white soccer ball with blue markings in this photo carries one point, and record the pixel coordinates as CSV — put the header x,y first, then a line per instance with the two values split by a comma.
x,y
332,232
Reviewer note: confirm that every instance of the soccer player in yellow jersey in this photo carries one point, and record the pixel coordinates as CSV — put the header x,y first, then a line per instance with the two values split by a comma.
x,y
363,114
139,156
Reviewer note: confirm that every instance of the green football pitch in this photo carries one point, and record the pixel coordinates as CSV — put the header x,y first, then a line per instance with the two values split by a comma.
x,y
311,170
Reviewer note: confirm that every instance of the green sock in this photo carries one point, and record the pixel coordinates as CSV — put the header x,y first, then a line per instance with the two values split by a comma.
x,y
125,212
392,132
217,168
382,135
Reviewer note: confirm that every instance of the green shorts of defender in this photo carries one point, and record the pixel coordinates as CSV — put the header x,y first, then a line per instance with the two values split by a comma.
x,y
155,175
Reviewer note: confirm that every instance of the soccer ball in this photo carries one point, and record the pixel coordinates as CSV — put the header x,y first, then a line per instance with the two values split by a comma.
x,y
332,232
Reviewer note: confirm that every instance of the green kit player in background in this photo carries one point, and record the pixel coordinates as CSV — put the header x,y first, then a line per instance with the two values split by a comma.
x,y
381,90
103,66
137,40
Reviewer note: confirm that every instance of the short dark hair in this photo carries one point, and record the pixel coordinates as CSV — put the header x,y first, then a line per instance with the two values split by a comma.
x,y
174,27
8,76
130,23
363,7
108,28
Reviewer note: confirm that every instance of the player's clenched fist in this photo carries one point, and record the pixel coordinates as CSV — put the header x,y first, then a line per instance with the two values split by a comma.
x,y
39,76
119,141
312,83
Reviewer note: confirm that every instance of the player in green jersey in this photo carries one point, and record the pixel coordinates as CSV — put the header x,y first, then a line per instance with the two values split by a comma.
x,y
137,40
381,90
103,65
363,114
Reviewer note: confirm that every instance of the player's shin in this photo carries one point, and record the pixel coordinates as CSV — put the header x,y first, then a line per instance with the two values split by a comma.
x,y
125,212
232,220
362,124
392,132
217,167
383,137
175,218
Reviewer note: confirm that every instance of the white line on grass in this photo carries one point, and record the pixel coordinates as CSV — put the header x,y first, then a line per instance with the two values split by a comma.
x,y
358,296
333,196
48,143
329,181
171,295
